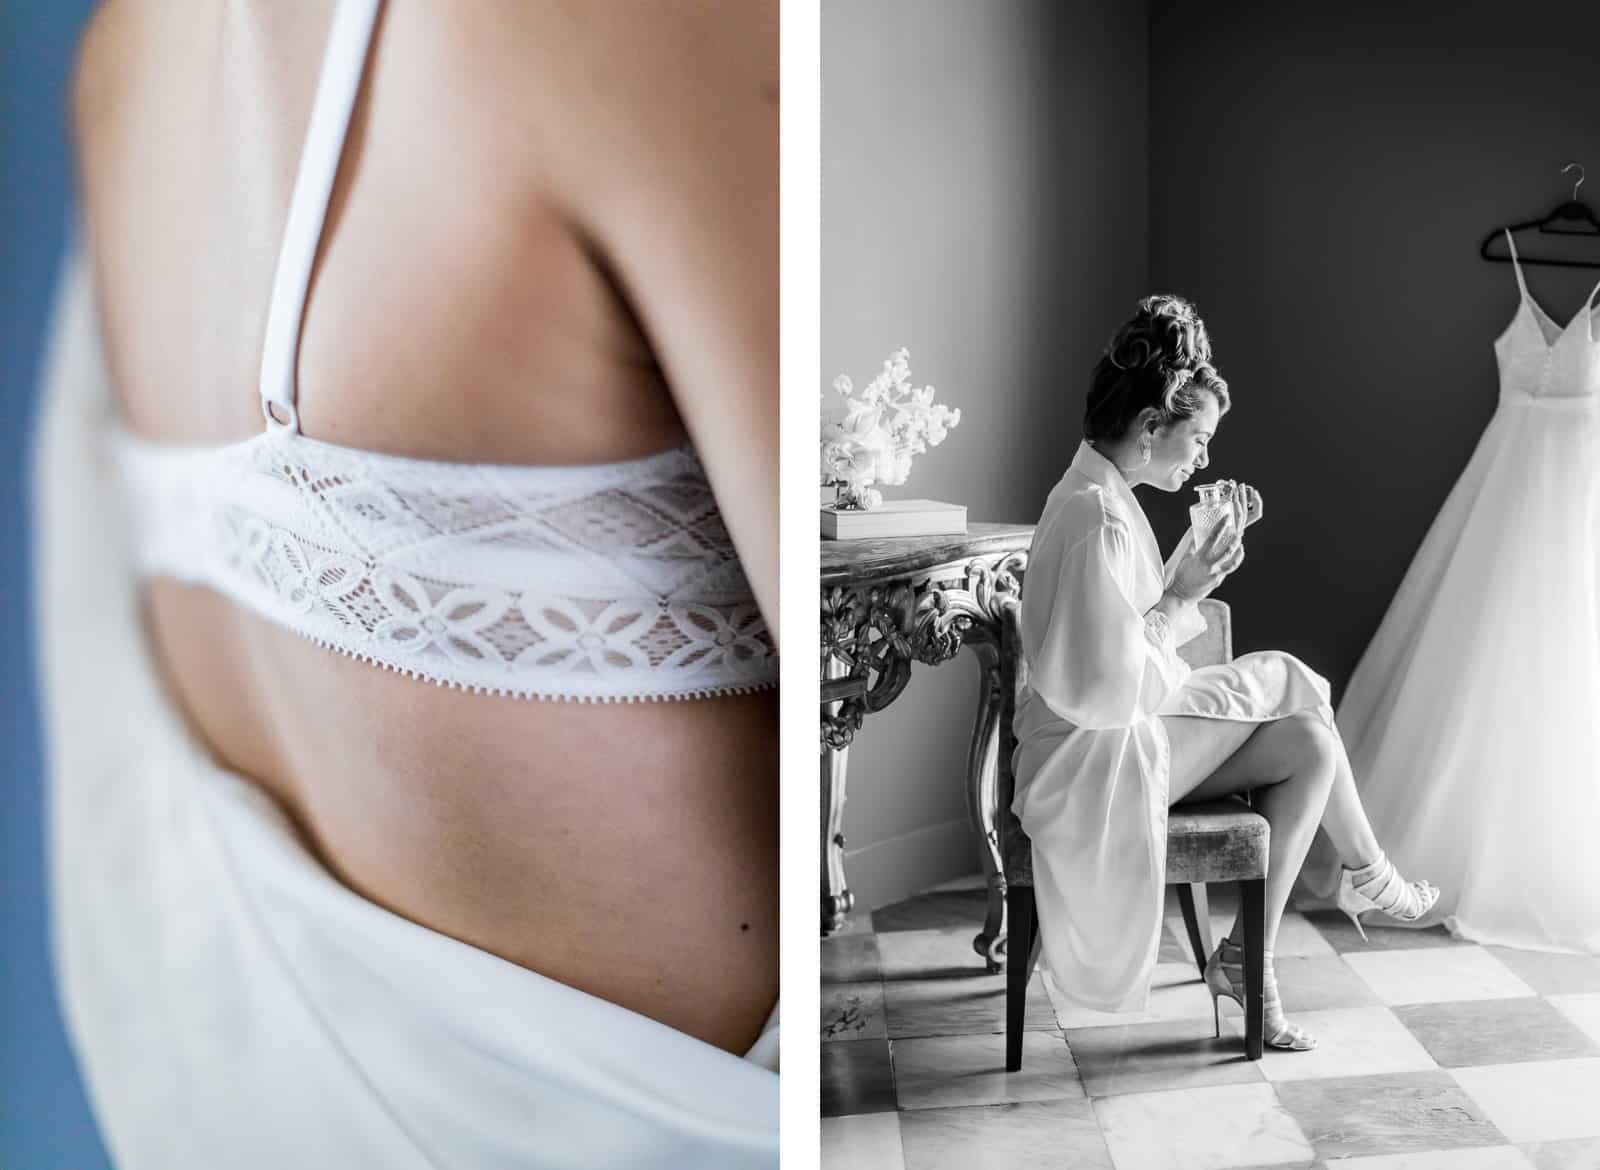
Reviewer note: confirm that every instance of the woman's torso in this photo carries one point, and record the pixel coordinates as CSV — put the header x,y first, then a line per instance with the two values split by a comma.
x,y
454,314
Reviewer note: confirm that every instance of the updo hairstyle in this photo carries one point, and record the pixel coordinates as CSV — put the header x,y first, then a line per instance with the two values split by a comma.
x,y
1160,357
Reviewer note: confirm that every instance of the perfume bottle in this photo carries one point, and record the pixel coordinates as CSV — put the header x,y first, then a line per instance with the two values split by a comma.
x,y
1216,501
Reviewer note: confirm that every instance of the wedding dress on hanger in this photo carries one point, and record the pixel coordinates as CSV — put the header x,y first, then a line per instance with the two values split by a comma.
x,y
1473,718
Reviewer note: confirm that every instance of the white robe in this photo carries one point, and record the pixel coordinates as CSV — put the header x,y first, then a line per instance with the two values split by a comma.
x,y
1092,757
231,1003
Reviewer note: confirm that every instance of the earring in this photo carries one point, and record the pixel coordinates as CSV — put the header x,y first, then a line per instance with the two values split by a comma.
x,y
1144,452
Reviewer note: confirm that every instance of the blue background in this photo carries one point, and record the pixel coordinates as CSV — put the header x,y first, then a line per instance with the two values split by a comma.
x,y
45,1122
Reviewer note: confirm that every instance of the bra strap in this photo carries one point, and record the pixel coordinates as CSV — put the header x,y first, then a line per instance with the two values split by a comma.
x,y
1517,264
343,64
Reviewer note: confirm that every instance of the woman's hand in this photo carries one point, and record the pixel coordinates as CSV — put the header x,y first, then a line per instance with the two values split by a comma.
x,y
1249,501
1246,503
1202,569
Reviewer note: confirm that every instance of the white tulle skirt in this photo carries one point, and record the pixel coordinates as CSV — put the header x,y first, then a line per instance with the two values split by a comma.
x,y
231,1003
1473,719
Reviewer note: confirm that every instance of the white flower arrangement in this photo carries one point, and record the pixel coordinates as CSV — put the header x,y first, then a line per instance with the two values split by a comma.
x,y
870,437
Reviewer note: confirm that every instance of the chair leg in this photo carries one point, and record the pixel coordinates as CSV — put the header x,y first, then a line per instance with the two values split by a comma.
x,y
1022,952
1197,920
1253,896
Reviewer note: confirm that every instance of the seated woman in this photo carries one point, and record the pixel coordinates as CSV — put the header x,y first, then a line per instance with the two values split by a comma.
x,y
1113,727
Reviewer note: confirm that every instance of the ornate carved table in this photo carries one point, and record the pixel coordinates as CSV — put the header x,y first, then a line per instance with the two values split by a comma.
x,y
890,602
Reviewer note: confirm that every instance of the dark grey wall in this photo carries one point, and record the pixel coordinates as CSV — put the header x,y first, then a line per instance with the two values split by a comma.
x,y
1320,186
983,204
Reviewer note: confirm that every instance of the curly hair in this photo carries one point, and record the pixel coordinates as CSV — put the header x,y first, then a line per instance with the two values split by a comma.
x,y
1160,357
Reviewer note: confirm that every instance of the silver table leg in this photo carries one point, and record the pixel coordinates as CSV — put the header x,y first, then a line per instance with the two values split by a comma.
x,y
982,778
837,900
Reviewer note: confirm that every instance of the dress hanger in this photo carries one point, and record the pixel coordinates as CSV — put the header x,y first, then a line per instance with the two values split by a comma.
x,y
1573,211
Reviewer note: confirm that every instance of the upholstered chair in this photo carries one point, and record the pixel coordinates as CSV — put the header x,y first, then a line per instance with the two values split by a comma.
x,y
1214,841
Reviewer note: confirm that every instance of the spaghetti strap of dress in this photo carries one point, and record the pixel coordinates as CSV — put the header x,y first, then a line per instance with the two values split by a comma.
x,y
1516,264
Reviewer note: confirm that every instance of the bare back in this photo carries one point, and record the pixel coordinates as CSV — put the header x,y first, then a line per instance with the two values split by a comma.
x,y
460,309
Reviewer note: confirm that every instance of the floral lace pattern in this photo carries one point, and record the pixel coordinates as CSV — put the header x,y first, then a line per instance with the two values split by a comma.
x,y
599,582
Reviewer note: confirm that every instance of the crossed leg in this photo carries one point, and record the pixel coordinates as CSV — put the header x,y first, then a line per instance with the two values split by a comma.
x,y
1301,777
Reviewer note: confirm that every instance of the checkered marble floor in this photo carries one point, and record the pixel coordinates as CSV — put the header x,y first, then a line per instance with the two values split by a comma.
x,y
1434,1054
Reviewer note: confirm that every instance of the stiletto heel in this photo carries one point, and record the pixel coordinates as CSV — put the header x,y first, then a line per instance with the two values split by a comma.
x,y
1379,886
1278,1032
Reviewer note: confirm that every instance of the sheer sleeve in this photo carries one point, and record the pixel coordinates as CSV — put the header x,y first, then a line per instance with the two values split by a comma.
x,y
1162,635
1093,657
1191,622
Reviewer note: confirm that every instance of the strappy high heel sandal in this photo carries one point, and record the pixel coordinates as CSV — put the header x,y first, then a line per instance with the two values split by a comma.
x,y
1379,886
1225,977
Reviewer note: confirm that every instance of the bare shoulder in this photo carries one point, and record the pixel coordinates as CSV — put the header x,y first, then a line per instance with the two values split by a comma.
x,y
653,128
602,50
581,84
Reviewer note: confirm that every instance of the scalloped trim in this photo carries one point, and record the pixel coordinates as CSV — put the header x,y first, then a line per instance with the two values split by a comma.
x,y
525,693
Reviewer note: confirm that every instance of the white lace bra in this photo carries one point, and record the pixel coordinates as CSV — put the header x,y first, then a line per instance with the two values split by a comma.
x,y
600,582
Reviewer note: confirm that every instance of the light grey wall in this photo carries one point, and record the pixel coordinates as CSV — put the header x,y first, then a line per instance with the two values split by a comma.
x,y
1320,187
983,204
